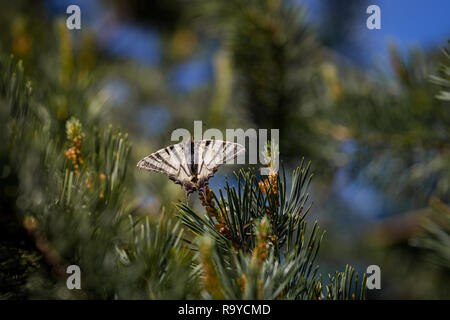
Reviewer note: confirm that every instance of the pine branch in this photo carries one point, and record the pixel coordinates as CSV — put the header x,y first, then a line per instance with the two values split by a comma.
x,y
73,202
442,79
434,235
253,241
344,287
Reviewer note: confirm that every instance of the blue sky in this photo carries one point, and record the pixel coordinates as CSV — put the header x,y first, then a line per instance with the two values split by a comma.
x,y
408,24
415,22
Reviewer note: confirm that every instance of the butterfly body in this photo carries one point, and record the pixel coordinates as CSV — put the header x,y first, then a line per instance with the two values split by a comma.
x,y
191,164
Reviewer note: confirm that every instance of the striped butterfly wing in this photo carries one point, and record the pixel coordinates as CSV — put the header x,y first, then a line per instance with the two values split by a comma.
x,y
210,155
193,163
173,161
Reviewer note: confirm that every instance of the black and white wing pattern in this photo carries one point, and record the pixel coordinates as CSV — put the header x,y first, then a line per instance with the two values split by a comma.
x,y
170,161
211,155
193,163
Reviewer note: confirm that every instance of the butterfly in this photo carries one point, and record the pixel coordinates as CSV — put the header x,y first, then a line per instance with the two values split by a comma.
x,y
191,164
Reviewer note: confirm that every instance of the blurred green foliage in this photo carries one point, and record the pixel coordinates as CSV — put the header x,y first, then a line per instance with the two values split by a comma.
x,y
70,194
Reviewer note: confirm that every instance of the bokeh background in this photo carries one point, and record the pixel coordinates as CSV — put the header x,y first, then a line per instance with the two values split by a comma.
x,y
368,108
